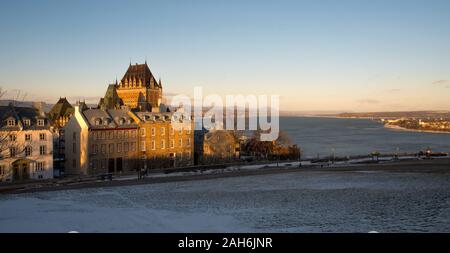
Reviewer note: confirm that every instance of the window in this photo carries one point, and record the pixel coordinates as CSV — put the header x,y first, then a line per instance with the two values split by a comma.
x,y
94,164
111,148
12,152
27,122
43,150
163,130
28,151
11,123
172,131
27,137
153,131
188,142
95,148
98,122
163,144
143,132
142,145
126,134
42,137
74,148
133,133
110,135
153,145
133,146
103,148
180,142
126,147
2,169
172,143
40,166
119,147
12,137
40,122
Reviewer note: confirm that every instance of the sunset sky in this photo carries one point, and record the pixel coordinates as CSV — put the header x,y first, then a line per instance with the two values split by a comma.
x,y
317,55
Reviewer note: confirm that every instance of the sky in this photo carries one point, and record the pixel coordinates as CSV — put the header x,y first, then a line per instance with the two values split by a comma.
x,y
316,55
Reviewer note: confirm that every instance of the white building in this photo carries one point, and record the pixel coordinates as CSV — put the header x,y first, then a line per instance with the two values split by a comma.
x,y
26,144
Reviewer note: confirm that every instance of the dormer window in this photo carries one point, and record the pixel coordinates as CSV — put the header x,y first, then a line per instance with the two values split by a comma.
x,y
105,122
121,121
11,123
98,122
26,122
40,122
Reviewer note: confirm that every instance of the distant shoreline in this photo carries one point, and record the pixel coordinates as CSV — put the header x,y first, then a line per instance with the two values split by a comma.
x,y
320,116
394,127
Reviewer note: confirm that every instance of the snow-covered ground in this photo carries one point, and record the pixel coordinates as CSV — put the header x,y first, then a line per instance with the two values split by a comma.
x,y
290,202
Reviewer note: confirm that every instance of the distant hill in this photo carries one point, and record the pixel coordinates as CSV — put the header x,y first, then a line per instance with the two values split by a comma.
x,y
46,107
396,115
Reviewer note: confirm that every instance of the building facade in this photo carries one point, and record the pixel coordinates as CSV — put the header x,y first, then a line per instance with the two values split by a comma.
x,y
163,145
26,144
101,141
59,115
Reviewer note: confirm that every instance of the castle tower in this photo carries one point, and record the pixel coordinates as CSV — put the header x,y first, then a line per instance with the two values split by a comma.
x,y
139,89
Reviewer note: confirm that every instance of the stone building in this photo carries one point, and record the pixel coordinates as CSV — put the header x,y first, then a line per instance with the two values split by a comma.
x,y
161,144
60,113
101,141
111,100
25,144
216,146
139,89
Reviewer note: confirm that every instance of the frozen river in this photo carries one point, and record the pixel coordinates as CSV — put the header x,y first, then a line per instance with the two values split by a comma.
x,y
289,202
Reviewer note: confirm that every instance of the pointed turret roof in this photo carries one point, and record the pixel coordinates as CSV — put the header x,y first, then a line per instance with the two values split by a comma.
x,y
61,108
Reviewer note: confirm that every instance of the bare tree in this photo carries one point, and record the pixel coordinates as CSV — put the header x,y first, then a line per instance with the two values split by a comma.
x,y
10,146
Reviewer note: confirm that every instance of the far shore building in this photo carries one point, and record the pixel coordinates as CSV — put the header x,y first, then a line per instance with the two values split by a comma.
x,y
26,144
101,141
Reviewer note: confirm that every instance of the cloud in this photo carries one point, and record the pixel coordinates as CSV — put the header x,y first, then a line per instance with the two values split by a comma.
x,y
440,82
393,90
368,101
